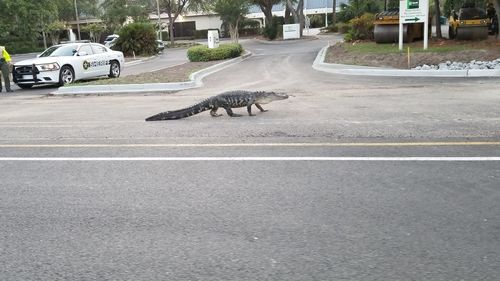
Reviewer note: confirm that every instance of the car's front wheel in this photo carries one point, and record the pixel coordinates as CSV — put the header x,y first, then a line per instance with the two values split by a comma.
x,y
114,71
66,76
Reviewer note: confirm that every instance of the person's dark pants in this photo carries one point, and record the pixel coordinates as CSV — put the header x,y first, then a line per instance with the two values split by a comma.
x,y
4,67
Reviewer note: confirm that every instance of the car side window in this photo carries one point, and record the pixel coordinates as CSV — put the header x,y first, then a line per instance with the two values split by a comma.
x,y
98,49
86,48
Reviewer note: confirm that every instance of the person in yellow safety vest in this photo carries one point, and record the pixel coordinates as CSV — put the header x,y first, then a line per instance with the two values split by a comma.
x,y
5,68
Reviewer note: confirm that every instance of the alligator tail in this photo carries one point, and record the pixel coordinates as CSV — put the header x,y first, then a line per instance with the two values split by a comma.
x,y
181,113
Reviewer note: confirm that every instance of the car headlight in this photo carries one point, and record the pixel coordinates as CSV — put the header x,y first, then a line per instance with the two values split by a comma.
x,y
48,66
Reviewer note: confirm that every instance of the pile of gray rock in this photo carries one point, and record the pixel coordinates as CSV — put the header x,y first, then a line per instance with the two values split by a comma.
x,y
494,64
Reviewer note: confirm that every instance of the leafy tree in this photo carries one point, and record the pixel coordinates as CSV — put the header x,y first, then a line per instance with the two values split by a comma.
x,y
20,22
356,8
115,14
54,31
95,30
232,12
174,8
450,5
267,8
23,21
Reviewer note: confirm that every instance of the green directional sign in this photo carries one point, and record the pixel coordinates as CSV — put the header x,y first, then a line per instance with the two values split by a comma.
x,y
415,19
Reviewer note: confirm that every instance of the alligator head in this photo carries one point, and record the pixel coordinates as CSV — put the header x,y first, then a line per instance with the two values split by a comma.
x,y
267,97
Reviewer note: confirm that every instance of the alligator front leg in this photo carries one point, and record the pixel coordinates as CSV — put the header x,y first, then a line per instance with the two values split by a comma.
x,y
260,107
230,112
213,112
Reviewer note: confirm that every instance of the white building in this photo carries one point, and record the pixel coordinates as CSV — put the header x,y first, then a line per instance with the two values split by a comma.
x,y
187,24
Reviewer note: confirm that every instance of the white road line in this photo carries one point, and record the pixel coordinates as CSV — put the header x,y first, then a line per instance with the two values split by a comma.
x,y
201,159
173,145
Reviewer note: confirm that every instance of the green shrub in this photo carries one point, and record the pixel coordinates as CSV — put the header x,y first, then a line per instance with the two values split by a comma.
x,y
348,37
331,28
137,38
248,23
249,27
339,27
224,51
271,32
316,21
343,28
362,27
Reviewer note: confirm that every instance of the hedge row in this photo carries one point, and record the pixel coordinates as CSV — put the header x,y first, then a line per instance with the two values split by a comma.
x,y
224,51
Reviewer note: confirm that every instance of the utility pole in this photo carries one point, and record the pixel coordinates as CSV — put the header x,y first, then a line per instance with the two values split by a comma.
x,y
77,22
326,13
160,36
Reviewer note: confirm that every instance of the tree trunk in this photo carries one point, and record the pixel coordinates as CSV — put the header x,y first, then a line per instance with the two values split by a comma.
x,y
300,11
298,14
171,29
438,16
268,14
295,16
233,32
334,14
496,3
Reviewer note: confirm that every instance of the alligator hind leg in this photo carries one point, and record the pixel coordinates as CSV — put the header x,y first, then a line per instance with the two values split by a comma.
x,y
213,112
260,107
230,112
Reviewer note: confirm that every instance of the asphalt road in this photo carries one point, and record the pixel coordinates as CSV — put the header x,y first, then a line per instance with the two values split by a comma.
x,y
351,178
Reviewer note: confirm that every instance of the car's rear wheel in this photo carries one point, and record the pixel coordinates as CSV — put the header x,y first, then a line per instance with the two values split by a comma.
x,y
66,76
114,70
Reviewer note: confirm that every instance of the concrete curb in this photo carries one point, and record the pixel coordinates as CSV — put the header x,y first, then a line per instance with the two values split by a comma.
x,y
195,81
284,42
320,65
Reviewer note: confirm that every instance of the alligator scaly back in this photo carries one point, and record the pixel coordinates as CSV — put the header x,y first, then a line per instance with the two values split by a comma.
x,y
227,100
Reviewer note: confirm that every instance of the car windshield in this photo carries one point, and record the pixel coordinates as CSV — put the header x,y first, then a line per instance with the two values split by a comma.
x,y
60,51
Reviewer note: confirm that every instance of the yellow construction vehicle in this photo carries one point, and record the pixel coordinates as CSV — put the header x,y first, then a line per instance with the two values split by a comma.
x,y
386,28
470,23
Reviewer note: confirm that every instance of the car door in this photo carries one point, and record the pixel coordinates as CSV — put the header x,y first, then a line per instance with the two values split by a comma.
x,y
85,62
102,59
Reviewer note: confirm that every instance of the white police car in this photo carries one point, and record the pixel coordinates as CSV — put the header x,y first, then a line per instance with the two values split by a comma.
x,y
65,63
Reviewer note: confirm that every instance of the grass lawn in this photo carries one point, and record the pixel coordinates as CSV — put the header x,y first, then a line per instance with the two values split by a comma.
x,y
434,46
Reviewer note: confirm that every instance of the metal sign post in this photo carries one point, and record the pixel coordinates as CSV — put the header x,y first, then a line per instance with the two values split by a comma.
x,y
414,11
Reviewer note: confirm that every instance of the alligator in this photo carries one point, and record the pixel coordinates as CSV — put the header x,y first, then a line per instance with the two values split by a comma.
x,y
226,100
